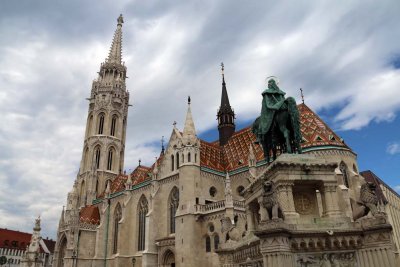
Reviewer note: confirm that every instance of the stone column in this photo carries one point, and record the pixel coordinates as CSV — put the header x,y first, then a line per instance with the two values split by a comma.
x,y
331,201
285,196
263,211
250,219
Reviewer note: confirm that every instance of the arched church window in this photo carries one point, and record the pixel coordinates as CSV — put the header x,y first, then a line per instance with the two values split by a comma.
x,y
177,160
86,159
82,193
189,157
110,159
172,162
113,125
195,157
216,242
97,157
343,169
173,206
208,244
101,124
143,209
89,126
183,158
117,218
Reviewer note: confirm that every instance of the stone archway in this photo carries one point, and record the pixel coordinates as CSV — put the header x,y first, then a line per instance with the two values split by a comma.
x,y
61,251
168,259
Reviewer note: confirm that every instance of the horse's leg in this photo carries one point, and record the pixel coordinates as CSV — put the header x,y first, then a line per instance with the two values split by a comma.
x,y
283,118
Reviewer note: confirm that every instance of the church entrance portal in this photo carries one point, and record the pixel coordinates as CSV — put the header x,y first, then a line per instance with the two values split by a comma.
x,y
169,259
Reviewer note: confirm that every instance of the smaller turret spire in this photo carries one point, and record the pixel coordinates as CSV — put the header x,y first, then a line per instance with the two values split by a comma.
x,y
189,131
226,116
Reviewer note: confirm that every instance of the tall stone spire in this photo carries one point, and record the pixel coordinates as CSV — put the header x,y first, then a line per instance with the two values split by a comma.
x,y
115,55
189,131
226,116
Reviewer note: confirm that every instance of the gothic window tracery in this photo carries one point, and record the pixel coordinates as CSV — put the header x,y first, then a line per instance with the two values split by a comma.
x,y
177,160
143,209
208,244
172,162
173,206
216,242
117,218
89,126
189,157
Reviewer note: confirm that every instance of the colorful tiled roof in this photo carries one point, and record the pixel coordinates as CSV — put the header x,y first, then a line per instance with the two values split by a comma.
x,y
315,132
236,152
12,239
90,215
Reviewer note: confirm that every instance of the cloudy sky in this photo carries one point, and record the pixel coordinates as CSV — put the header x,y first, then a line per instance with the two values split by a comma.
x,y
344,54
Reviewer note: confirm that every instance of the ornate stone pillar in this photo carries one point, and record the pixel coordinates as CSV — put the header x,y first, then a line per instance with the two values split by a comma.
x,y
331,201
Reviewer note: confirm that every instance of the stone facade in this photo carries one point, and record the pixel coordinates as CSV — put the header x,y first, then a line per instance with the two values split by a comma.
x,y
206,204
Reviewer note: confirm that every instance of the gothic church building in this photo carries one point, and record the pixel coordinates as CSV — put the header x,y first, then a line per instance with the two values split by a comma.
x,y
200,203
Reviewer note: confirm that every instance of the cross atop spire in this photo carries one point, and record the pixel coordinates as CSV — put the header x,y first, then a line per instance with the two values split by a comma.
x,y
115,55
302,95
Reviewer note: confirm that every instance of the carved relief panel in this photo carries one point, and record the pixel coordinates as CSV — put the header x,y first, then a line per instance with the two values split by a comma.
x,y
331,259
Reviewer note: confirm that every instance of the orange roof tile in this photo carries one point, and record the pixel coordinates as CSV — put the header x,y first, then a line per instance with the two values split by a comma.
x,y
12,239
236,152
90,215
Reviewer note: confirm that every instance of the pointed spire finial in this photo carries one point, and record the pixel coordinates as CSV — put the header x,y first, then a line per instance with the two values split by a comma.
x,y
302,95
120,20
162,145
140,162
222,68
189,100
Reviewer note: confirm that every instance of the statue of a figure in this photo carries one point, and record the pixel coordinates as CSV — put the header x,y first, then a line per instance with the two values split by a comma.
x,y
278,127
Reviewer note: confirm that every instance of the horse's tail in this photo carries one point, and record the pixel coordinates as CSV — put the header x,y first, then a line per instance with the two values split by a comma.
x,y
295,121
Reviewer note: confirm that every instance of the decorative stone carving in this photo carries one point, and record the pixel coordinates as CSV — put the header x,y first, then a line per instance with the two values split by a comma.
x,y
346,259
229,227
270,201
368,202
304,204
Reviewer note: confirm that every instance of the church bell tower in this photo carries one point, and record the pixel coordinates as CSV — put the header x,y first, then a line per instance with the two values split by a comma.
x,y
104,143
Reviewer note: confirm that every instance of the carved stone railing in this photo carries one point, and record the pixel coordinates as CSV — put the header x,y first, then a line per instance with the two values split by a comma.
x,y
218,206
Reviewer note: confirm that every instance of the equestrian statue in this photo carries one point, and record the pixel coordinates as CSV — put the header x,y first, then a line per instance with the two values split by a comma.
x,y
278,127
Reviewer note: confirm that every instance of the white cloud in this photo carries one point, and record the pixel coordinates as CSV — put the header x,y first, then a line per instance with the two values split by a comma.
x,y
393,148
49,56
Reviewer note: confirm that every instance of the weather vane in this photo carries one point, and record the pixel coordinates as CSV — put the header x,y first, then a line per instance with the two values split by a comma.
x,y
222,68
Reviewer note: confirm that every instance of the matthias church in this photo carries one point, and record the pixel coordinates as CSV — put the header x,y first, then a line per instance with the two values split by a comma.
x,y
220,203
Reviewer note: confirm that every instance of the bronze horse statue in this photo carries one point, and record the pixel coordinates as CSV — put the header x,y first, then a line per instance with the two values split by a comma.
x,y
278,127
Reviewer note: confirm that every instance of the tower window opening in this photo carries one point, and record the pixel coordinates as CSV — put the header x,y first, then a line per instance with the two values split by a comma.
x,y
110,159
172,162
101,124
113,125
189,157
177,160
97,158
